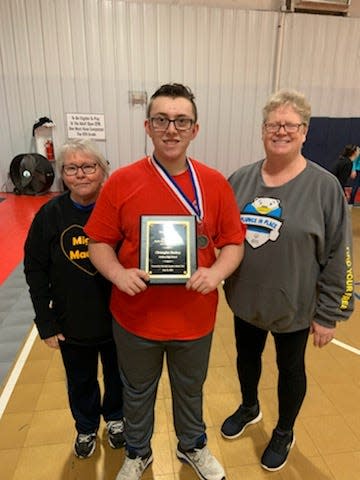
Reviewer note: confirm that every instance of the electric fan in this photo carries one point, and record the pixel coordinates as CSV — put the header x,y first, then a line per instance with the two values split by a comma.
x,y
31,174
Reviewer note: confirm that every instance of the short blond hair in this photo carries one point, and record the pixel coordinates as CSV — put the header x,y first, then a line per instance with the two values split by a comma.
x,y
292,98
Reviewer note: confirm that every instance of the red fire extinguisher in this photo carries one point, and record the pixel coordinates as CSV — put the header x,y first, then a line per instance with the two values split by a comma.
x,y
42,133
49,149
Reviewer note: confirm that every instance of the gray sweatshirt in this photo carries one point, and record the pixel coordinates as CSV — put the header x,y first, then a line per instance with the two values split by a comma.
x,y
298,260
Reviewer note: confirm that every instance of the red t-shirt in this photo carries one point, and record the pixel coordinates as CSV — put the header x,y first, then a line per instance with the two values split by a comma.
x,y
163,312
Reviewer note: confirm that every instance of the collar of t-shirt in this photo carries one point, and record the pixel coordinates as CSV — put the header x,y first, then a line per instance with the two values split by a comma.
x,y
84,208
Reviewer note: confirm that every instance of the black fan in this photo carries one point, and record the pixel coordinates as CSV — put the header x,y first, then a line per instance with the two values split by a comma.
x,y
31,174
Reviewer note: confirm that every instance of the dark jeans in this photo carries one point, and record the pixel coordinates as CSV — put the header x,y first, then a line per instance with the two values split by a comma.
x,y
290,353
355,187
81,366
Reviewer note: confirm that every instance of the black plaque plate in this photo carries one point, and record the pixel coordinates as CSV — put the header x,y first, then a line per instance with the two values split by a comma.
x,y
168,248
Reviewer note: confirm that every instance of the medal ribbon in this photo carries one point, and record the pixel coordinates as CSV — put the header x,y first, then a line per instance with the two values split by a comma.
x,y
197,209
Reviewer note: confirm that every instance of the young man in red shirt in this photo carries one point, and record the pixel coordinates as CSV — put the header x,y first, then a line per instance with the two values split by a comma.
x,y
150,320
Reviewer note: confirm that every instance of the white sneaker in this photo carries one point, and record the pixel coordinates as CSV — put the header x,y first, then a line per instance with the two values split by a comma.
x,y
203,462
133,468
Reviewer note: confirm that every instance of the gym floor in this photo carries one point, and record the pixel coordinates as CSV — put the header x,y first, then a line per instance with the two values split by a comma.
x,y
36,428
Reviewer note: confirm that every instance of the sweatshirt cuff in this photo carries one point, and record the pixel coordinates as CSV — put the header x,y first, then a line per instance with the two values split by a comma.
x,y
47,326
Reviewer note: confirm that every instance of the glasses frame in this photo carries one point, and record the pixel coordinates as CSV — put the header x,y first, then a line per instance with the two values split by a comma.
x,y
93,167
157,129
279,126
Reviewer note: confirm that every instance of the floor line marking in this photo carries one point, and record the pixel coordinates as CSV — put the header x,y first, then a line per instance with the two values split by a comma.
x,y
345,346
15,373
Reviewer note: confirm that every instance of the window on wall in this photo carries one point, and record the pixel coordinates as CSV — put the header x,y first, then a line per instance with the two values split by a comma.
x,y
326,7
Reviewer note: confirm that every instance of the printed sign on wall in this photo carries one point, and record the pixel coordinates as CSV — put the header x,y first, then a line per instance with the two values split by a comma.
x,y
86,125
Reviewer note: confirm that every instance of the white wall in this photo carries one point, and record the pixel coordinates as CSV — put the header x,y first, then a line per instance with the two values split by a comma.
x,y
83,56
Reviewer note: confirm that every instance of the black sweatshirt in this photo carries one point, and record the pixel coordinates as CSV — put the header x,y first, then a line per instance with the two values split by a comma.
x,y
68,294
342,169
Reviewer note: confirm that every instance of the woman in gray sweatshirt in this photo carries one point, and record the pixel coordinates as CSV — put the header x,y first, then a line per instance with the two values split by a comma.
x,y
296,277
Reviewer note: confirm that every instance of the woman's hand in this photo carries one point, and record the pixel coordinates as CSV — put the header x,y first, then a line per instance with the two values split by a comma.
x,y
53,342
322,335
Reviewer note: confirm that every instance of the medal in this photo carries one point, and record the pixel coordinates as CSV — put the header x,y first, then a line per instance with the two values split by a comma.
x,y
202,241
202,238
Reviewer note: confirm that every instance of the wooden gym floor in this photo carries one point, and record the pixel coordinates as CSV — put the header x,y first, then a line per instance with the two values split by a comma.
x,y
36,428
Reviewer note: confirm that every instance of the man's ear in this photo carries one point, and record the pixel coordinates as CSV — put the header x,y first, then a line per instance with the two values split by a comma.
x,y
147,127
195,130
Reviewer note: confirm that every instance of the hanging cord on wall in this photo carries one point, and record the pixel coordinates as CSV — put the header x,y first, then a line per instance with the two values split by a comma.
x,y
279,50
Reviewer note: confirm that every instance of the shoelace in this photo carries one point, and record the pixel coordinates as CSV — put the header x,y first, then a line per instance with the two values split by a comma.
x,y
132,465
115,427
199,455
279,443
85,437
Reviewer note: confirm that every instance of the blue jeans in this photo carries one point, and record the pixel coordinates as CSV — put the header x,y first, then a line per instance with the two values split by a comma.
x,y
81,366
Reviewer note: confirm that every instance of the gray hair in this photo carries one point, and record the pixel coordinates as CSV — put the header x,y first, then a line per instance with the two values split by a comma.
x,y
291,98
86,146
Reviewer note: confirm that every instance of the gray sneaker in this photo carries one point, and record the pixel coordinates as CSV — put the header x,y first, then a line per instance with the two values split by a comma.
x,y
85,444
115,433
133,468
203,462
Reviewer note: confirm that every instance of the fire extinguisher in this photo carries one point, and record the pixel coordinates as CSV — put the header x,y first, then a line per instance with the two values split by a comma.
x,y
42,132
49,149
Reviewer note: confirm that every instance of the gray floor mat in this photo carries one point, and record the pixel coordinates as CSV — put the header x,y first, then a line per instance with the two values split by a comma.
x,y
16,319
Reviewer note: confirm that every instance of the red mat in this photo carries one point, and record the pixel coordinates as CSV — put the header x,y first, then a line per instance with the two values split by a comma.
x,y
16,215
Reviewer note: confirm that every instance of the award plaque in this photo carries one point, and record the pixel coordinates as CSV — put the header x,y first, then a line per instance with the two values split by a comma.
x,y
168,248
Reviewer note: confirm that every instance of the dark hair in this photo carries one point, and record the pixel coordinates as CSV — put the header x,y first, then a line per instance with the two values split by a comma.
x,y
174,90
349,150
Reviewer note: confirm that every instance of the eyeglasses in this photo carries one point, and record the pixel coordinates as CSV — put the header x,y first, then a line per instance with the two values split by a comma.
x,y
288,127
161,124
86,168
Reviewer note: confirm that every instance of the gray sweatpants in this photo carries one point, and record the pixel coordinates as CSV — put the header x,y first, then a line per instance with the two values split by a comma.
x,y
140,363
